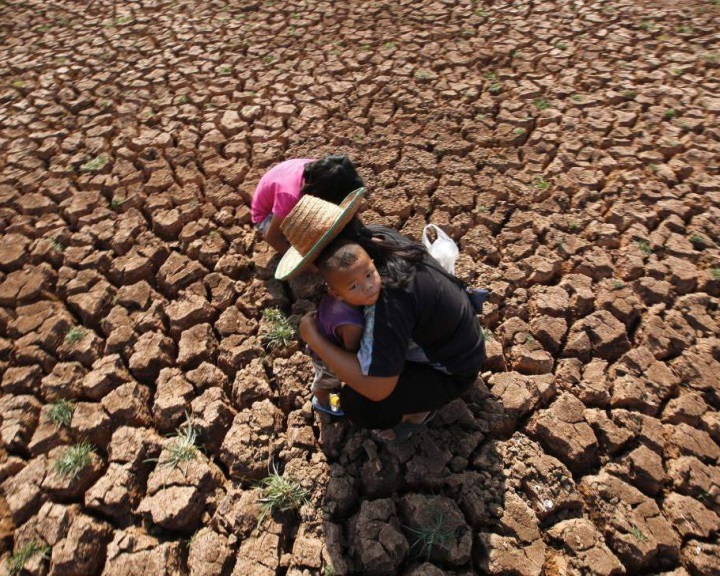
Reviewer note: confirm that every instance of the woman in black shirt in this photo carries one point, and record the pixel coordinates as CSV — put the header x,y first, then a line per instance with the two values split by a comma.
x,y
422,346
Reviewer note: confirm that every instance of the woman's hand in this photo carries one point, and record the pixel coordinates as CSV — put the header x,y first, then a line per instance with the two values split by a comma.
x,y
308,328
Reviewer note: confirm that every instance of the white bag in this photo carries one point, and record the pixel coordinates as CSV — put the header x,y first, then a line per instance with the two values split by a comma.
x,y
443,249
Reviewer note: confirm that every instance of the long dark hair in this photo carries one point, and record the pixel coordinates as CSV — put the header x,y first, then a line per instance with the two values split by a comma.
x,y
396,257
331,178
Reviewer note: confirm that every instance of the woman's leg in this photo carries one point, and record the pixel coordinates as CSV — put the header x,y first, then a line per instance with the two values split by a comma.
x,y
419,388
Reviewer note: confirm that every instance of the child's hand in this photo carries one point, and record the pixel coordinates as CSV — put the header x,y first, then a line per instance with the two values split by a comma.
x,y
308,328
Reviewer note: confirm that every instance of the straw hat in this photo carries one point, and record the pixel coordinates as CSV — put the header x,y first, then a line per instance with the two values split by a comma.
x,y
310,227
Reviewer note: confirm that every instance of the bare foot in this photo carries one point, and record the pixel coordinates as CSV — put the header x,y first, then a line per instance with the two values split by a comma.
x,y
387,435
323,397
416,418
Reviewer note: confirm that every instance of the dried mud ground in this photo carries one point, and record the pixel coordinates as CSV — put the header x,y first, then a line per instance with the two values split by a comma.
x,y
570,148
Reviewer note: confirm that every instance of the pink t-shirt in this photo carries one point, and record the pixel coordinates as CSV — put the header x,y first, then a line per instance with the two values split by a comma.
x,y
278,190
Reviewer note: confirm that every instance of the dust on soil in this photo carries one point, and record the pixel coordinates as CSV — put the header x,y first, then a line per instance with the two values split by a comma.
x,y
570,148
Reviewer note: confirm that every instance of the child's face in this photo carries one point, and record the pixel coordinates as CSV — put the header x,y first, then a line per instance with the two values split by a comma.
x,y
359,284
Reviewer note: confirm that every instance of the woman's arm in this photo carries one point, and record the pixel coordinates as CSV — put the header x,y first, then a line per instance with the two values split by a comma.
x,y
275,237
345,364
351,336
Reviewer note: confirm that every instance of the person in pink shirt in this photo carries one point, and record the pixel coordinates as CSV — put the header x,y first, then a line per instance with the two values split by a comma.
x,y
331,178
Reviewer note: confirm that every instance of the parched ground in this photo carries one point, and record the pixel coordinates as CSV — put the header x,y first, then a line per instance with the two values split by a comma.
x,y
571,148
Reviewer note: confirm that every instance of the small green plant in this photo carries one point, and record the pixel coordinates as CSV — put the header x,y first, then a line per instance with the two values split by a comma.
x,y
647,26
576,97
682,29
423,74
123,20
225,70
574,226
644,246
56,245
329,570
495,88
481,13
541,104
561,45
182,448
637,534
97,163
618,284
389,45
697,240
541,184
630,94
715,273
279,494
116,202
73,460
482,208
487,334
16,562
435,533
669,114
18,83
280,332
528,339
61,413
75,335
269,59
519,131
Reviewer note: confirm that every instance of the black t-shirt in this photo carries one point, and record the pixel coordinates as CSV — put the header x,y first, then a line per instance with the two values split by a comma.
x,y
434,313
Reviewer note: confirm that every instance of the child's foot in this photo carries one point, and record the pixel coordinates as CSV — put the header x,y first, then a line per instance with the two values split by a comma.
x,y
323,397
332,408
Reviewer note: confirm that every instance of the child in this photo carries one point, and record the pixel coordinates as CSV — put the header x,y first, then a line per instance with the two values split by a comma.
x,y
331,178
353,282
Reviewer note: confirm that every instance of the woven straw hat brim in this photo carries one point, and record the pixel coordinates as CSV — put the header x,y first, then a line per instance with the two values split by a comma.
x,y
293,262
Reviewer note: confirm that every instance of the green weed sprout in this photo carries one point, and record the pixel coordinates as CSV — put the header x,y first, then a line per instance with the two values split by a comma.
x,y
73,460
541,184
637,534
279,494
97,163
16,562
644,246
697,240
715,273
74,335
182,449
61,413
541,104
435,533
56,245
280,332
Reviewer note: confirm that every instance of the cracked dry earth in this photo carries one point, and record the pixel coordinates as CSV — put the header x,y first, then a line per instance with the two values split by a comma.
x,y
570,148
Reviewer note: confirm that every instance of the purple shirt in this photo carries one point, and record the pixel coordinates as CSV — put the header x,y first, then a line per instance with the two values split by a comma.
x,y
278,190
333,313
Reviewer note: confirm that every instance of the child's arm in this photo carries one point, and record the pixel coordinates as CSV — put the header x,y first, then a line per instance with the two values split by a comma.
x,y
345,365
275,237
351,335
